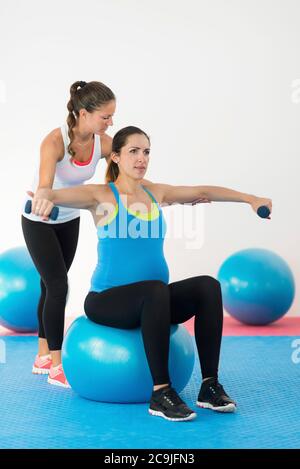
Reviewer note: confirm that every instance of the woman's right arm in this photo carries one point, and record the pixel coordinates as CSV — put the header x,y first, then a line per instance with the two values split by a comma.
x,y
85,196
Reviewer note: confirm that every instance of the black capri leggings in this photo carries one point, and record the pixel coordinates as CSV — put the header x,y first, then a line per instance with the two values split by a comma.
x,y
52,248
153,306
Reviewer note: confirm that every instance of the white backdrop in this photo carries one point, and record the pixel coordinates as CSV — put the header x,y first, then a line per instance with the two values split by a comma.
x,y
214,82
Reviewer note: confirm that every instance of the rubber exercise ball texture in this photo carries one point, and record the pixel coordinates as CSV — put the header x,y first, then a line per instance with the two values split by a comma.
x,y
257,286
19,290
107,364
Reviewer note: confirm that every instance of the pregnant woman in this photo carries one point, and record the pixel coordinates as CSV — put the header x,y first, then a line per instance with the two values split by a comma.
x,y
130,286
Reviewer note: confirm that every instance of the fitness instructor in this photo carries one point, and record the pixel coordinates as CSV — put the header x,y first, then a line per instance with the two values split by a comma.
x,y
68,157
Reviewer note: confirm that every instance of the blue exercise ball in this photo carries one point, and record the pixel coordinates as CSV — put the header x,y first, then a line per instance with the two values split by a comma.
x,y
19,291
258,286
107,364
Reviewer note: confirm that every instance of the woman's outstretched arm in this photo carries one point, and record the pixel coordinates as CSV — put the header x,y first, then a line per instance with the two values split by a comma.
x,y
191,194
84,196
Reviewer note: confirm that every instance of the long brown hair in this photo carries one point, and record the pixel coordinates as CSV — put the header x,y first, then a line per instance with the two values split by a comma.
x,y
89,96
119,141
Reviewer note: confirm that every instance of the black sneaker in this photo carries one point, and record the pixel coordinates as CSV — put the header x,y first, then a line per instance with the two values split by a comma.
x,y
212,396
166,403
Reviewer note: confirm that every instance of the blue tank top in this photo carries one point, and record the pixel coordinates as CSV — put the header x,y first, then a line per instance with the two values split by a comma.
x,y
130,247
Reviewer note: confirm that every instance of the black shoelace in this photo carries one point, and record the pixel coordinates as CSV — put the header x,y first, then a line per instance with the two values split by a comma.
x,y
219,393
220,388
172,397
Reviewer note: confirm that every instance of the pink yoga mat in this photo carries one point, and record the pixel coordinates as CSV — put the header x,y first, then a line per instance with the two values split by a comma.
x,y
285,326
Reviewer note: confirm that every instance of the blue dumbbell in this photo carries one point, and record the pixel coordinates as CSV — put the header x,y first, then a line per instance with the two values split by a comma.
x,y
53,215
263,211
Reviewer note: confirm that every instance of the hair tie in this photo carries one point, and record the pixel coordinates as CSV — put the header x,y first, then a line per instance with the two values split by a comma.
x,y
82,84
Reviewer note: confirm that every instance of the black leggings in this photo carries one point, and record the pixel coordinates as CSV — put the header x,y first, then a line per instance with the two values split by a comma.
x,y
52,248
153,306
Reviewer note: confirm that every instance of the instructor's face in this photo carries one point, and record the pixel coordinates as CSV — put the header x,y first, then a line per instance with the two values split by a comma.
x,y
98,121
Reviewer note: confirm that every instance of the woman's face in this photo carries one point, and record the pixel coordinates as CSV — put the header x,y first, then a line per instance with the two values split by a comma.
x,y
134,156
99,120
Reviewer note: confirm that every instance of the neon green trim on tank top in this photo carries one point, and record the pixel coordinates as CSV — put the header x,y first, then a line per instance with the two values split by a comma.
x,y
146,216
113,215
153,215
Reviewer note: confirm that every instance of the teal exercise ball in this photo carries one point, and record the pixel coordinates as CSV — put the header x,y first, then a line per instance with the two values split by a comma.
x,y
107,364
19,291
258,286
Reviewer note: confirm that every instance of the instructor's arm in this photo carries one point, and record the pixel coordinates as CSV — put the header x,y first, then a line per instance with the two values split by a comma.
x,y
51,152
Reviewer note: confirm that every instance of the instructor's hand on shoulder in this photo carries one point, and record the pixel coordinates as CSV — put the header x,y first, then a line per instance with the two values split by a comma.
x,y
41,203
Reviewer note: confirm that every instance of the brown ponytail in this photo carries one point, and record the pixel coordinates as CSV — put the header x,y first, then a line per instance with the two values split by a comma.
x,y
112,172
89,96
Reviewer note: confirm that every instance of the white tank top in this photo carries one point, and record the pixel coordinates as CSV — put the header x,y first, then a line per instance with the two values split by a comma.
x,y
68,174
